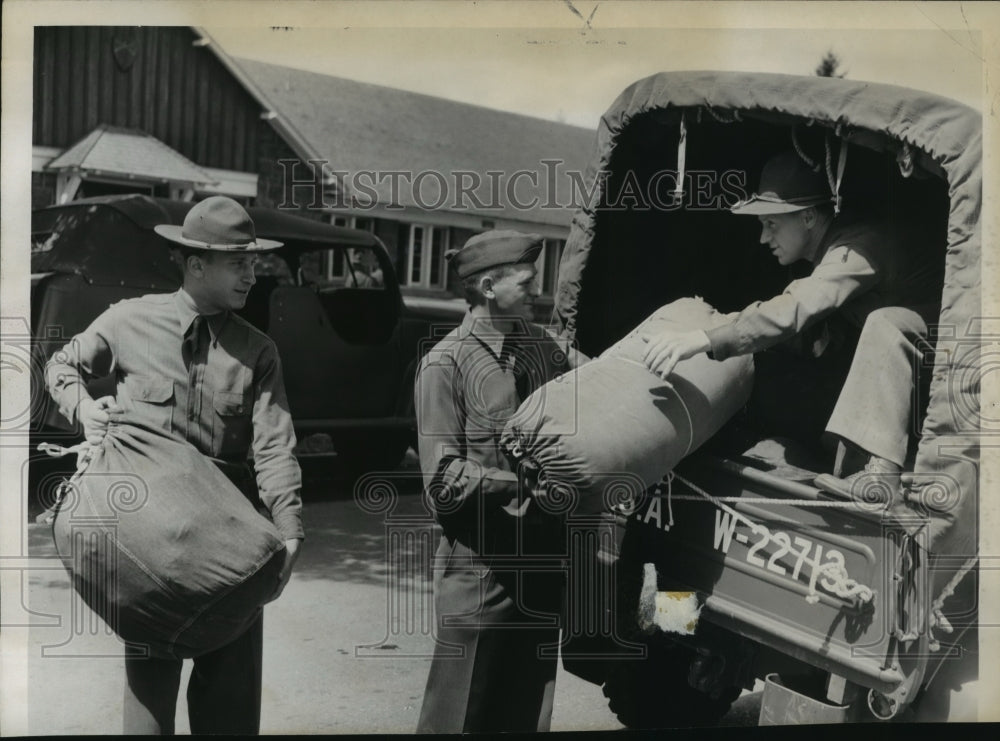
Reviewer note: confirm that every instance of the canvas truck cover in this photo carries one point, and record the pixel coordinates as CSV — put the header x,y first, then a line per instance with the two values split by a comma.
x,y
939,136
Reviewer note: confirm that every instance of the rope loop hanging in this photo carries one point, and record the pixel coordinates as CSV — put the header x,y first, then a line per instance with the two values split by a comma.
x,y
904,158
810,162
835,180
681,160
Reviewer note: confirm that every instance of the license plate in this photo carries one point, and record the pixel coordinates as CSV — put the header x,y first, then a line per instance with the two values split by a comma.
x,y
788,555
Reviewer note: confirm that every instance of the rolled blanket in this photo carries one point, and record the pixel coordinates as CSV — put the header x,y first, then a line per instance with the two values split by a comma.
x,y
163,546
613,422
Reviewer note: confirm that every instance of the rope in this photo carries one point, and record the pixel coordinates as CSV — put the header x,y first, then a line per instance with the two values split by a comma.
x,y
831,181
681,160
841,165
834,181
813,165
904,158
841,585
937,616
84,454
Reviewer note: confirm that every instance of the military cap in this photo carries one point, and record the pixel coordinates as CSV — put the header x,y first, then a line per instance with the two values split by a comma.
x,y
220,224
493,249
787,184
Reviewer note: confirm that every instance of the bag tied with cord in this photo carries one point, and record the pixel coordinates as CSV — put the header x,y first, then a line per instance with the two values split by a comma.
x,y
163,546
612,419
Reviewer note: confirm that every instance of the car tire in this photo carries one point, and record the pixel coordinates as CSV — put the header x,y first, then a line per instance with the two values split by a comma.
x,y
654,692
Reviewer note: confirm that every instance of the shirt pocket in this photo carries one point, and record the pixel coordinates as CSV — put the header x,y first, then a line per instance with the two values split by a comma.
x,y
231,428
152,400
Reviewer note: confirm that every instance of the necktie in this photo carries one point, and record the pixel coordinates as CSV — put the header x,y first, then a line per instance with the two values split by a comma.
x,y
194,335
514,354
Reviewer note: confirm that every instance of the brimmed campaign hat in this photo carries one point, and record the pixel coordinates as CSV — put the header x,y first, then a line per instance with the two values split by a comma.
x,y
493,249
786,185
217,223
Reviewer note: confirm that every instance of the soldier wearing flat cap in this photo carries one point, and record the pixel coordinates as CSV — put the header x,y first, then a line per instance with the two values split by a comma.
x,y
859,290
185,362
493,616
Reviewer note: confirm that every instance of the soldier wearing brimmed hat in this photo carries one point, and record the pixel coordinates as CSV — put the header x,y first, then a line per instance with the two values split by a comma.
x,y
185,363
857,280
488,673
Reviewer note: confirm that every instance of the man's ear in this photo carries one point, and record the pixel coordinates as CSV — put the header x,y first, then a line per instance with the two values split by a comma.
x,y
809,217
486,286
195,264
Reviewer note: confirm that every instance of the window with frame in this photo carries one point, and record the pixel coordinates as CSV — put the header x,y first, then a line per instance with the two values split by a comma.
x,y
425,263
547,265
334,266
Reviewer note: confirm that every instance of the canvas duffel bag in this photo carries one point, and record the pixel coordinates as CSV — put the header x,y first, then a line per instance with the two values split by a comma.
x,y
613,420
163,546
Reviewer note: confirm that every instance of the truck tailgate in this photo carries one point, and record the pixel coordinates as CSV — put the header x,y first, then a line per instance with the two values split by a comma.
x,y
757,562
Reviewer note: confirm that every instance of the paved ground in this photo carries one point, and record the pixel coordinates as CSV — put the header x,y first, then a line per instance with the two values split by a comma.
x,y
343,653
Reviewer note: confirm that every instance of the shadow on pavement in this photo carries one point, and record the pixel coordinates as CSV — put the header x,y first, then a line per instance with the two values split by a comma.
x,y
348,542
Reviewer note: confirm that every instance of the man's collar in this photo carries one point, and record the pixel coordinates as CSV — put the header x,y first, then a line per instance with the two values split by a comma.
x,y
187,310
483,330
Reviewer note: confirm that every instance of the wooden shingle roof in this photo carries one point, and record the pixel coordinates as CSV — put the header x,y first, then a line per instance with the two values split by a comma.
x,y
359,127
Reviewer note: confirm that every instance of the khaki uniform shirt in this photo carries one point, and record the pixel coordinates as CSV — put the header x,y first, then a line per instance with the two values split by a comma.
x,y
466,390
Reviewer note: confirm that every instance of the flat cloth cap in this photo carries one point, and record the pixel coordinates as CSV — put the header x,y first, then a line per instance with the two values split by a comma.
x,y
493,249
787,185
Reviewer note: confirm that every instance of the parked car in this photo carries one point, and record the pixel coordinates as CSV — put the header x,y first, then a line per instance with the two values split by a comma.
x,y
767,611
329,298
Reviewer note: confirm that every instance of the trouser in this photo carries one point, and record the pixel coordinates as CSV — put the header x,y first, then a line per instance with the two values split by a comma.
x,y
223,693
496,649
794,394
875,409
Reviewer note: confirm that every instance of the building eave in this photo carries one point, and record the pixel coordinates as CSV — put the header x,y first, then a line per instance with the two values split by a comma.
x,y
284,128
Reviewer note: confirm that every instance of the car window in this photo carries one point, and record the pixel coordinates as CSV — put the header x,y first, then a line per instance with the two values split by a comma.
x,y
350,267
273,265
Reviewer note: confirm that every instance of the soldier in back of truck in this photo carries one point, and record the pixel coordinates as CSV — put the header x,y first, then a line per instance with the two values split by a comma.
x,y
839,348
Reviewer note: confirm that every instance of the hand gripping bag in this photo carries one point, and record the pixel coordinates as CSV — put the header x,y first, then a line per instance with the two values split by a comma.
x,y
612,420
163,546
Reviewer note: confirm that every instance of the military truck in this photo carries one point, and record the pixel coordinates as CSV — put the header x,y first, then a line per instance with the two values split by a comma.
x,y
840,610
